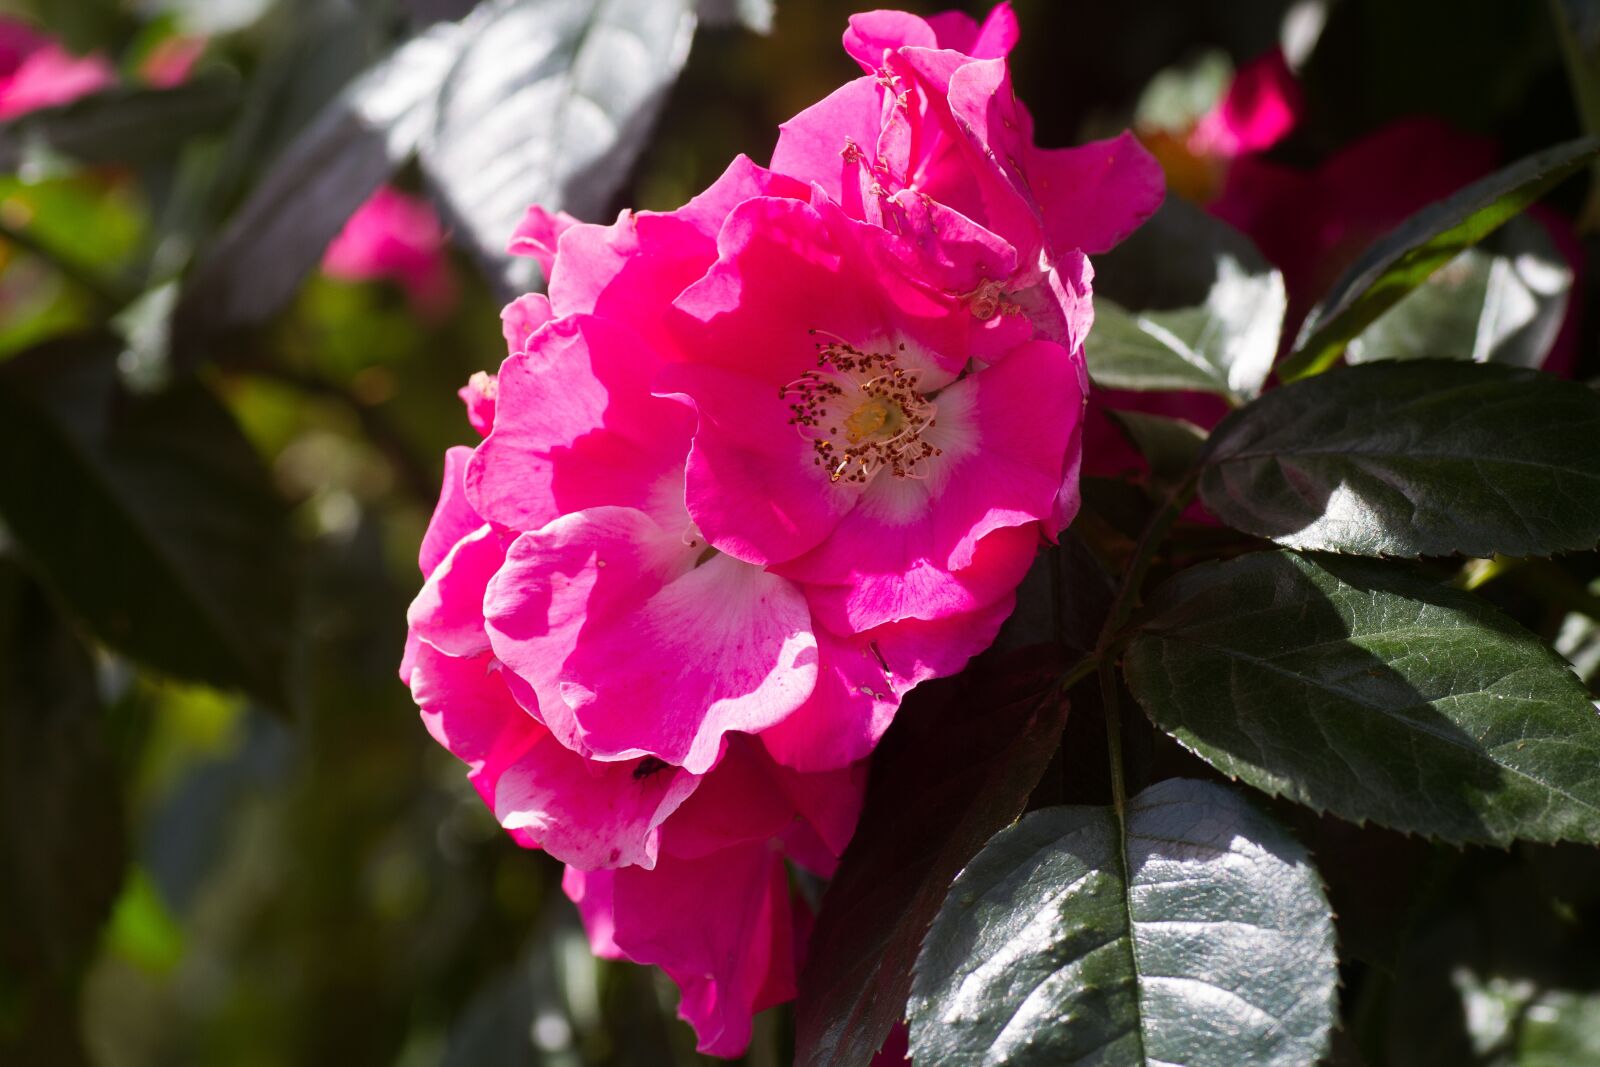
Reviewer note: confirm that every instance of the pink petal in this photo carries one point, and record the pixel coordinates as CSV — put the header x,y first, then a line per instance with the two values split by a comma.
x,y
1068,496
873,33
50,76
576,427
986,172
725,647
538,234
927,591
825,142
467,709
780,275
743,180
1004,433
607,612
171,61
758,496
740,801
720,926
578,570
479,396
396,237
629,272
955,252
1094,195
828,801
993,40
862,678
748,797
453,517
448,610
592,892
520,318
587,813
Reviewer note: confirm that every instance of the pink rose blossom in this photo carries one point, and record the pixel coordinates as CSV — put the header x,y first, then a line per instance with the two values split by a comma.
x,y
751,471
37,72
398,238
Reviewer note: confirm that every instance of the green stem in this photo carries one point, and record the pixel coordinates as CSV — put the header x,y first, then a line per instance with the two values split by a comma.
x,y
1078,672
1144,554
1103,659
1113,712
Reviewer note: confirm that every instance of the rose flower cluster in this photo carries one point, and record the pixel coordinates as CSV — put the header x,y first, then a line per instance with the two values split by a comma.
x,y
753,469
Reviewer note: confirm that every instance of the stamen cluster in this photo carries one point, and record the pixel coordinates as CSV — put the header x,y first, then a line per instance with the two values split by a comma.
x,y
862,412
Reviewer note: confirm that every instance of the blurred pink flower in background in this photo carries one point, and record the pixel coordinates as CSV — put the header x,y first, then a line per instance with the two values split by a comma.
x,y
37,72
396,237
170,62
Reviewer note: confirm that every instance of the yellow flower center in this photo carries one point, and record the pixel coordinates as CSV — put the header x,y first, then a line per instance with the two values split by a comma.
x,y
877,417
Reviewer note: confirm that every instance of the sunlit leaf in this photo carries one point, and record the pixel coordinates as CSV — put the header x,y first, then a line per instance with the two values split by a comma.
x,y
549,103
1501,304
253,267
1185,303
1193,932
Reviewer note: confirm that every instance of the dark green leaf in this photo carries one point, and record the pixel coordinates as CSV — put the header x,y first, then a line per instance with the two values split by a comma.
x,y
121,125
150,514
1195,933
1063,599
943,780
1413,251
62,847
1367,690
1207,309
1420,458
1501,304
549,104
